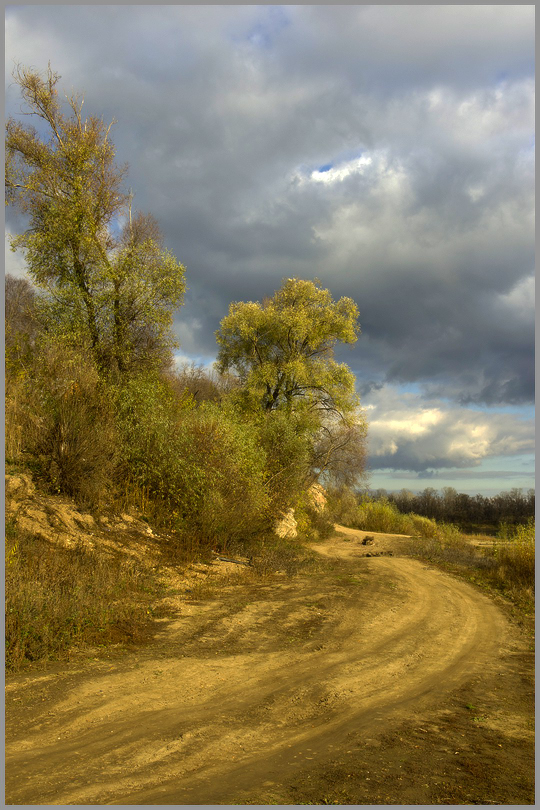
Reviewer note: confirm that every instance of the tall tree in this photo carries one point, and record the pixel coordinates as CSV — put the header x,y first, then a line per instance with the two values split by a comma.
x,y
110,282
283,349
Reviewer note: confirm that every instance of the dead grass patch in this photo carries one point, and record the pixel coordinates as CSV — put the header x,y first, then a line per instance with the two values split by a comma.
x,y
60,597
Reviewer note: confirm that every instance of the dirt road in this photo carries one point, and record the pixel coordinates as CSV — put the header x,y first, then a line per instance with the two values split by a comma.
x,y
291,685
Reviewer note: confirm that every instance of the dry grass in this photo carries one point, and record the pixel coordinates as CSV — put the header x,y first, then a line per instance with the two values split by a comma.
x,y
514,570
506,564
58,597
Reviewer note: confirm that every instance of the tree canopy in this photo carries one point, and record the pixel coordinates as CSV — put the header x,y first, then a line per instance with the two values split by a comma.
x,y
107,277
283,349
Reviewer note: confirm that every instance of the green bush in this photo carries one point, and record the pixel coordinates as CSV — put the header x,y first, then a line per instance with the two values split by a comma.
x,y
199,470
227,498
423,526
286,445
312,523
150,471
342,505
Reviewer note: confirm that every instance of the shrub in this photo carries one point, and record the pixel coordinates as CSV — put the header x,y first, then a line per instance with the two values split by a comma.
x,y
381,516
150,468
227,498
312,523
342,505
514,553
423,526
78,436
22,419
21,324
286,445
200,470
59,415
197,382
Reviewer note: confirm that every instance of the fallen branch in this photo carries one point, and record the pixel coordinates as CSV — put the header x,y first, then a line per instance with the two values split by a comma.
x,y
228,559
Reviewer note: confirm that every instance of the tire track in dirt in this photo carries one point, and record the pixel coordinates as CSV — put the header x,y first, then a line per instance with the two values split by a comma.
x,y
159,728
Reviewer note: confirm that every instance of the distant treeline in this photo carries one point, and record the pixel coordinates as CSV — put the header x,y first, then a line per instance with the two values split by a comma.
x,y
468,511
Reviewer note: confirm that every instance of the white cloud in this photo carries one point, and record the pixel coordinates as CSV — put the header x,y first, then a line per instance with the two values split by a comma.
x,y
409,433
341,171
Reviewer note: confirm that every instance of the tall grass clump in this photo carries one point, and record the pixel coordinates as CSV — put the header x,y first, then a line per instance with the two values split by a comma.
x,y
58,597
514,555
442,542
381,516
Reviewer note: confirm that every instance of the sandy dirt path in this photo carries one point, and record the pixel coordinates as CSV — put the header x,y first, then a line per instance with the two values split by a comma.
x,y
240,694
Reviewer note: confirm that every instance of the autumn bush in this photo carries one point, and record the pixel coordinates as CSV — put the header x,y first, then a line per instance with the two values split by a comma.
x,y
150,471
342,505
380,516
22,420
514,555
60,420
226,497
199,470
286,445
199,467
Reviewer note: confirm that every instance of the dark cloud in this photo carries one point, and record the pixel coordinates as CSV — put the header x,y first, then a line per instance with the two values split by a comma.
x,y
424,117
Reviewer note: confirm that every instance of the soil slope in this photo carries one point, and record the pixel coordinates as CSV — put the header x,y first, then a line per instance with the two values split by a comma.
x,y
369,680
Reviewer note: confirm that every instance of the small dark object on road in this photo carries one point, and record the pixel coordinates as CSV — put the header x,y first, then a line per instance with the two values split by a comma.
x,y
368,540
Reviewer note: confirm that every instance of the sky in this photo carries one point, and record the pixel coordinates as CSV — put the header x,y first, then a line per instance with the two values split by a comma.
x,y
385,150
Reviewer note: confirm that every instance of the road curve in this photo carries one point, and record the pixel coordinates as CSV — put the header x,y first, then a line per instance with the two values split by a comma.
x,y
224,701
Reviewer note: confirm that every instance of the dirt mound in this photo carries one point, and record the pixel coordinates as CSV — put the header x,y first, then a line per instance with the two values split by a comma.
x,y
57,519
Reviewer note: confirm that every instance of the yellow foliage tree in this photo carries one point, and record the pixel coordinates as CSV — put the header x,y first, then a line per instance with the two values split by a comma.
x,y
107,279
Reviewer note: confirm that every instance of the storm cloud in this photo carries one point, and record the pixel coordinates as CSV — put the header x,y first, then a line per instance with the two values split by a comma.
x,y
386,150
